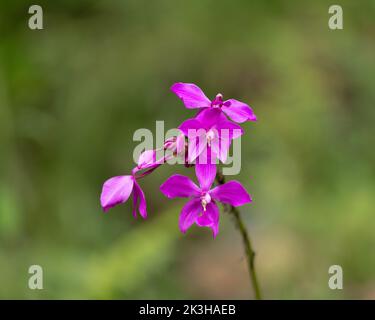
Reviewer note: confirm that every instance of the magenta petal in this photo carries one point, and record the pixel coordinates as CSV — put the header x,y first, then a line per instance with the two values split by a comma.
x,y
196,147
116,190
142,206
180,144
190,126
232,193
205,172
191,95
210,218
135,202
210,117
146,159
238,111
189,214
194,130
215,146
179,186
221,148
228,128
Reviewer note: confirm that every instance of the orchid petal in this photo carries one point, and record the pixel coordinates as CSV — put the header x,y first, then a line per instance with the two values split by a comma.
x,y
206,171
179,186
142,208
238,111
189,214
147,158
232,193
180,144
193,129
221,147
116,190
210,218
191,95
190,126
135,202
196,147
228,128
210,117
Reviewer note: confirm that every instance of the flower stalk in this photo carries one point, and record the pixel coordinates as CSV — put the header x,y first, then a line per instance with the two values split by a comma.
x,y
249,251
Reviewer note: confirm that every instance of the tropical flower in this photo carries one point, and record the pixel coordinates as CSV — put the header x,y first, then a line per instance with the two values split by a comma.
x,y
209,135
201,209
117,190
193,97
210,129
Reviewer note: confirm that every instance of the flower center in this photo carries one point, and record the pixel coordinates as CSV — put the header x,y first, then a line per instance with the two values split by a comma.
x,y
205,200
210,135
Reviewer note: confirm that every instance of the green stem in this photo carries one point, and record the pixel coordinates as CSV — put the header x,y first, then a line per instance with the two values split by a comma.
x,y
250,253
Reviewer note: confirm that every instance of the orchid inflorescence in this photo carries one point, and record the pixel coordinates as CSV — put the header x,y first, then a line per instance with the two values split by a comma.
x,y
206,138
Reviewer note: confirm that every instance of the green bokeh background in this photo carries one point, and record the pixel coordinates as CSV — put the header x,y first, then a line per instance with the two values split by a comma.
x,y
72,95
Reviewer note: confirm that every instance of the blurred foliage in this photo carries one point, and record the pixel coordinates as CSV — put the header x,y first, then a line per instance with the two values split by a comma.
x,y
72,94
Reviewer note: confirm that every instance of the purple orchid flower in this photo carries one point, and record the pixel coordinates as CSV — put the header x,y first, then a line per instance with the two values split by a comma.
x,y
193,97
210,129
201,209
117,190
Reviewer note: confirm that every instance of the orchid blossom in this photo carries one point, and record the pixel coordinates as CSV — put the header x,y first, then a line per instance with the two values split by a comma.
x,y
117,190
193,97
201,208
210,128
